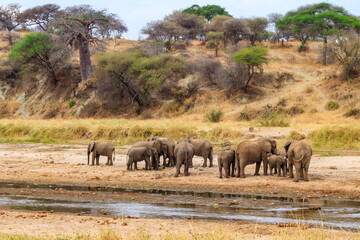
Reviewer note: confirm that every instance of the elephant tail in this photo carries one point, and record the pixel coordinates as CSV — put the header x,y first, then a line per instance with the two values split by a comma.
x,y
300,159
186,157
114,154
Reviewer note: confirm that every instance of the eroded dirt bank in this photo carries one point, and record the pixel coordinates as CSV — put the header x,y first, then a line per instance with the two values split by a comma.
x,y
330,177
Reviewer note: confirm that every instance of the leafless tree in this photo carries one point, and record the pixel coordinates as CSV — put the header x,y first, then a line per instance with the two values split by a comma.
x,y
42,16
192,25
235,29
256,28
10,18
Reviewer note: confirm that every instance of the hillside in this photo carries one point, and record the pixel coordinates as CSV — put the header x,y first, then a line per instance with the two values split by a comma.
x,y
293,84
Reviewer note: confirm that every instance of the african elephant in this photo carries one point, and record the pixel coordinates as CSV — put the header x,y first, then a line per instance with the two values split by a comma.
x,y
169,152
277,162
203,148
137,154
101,149
299,154
184,153
156,144
250,152
226,160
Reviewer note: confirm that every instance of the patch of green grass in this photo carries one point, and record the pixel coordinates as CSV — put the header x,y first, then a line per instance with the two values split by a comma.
x,y
354,112
273,120
294,135
332,105
214,115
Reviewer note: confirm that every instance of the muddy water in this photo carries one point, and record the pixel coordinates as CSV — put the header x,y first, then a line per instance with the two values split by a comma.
x,y
195,205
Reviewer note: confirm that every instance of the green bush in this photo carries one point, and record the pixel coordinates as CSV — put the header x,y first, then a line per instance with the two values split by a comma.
x,y
332,105
214,115
244,117
295,110
294,135
273,120
303,48
72,103
354,112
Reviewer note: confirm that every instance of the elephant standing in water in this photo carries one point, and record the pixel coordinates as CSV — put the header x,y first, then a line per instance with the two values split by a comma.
x,y
299,154
203,148
101,149
184,153
250,152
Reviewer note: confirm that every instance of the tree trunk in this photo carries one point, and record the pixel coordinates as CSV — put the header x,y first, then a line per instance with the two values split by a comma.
x,y
216,51
324,50
250,76
9,38
85,60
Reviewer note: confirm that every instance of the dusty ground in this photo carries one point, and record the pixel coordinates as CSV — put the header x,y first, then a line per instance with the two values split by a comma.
x,y
335,177
60,224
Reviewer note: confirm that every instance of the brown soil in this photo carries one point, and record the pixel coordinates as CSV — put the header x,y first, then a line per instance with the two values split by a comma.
x,y
331,177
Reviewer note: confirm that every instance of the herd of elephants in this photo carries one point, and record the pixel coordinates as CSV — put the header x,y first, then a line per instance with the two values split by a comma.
x,y
297,153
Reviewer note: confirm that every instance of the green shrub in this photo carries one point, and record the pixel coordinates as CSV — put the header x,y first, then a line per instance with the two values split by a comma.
x,y
294,135
295,110
273,120
354,112
244,117
303,48
214,115
72,103
332,105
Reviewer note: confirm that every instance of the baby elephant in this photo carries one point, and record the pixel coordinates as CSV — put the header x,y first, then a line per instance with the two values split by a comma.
x,y
277,162
137,154
101,149
226,160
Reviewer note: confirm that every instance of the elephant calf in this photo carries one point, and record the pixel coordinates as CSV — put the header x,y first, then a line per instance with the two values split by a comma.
x,y
226,160
101,149
137,154
277,162
184,153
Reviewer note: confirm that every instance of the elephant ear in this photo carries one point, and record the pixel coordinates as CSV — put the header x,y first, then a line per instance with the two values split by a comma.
x,y
265,145
287,145
149,151
91,146
165,149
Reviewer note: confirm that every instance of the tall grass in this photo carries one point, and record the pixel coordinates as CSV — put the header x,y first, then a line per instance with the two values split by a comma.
x,y
119,131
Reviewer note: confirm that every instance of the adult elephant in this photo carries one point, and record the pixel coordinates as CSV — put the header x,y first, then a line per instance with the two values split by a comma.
x,y
168,152
299,154
101,149
155,144
250,152
137,154
203,148
184,153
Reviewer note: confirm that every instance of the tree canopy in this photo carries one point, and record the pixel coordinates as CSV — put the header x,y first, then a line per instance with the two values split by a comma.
x,y
208,11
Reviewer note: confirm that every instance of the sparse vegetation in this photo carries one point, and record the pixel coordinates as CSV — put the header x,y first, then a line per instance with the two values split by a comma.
x,y
294,135
273,120
353,112
244,116
214,115
332,105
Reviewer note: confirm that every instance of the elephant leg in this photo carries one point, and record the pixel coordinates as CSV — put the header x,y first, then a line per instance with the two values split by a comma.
x,y
242,170
108,161
257,168
301,173
186,170
275,170
177,170
227,170
220,170
205,162
306,176
191,163
284,171
297,171
97,159
271,171
232,169
291,173
279,169
211,160
93,159
135,166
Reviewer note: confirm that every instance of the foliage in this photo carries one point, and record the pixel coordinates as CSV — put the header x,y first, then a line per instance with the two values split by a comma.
x,y
272,119
244,116
215,38
235,29
139,72
294,135
41,50
216,24
214,115
208,11
332,105
256,29
252,57
11,18
42,16
353,112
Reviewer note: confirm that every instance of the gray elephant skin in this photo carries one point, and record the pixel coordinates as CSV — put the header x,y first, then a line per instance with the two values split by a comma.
x,y
203,148
184,153
277,162
299,154
168,150
137,154
250,152
101,149
226,160
156,144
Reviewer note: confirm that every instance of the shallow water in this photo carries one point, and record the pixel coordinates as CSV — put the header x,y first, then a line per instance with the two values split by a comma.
x,y
334,213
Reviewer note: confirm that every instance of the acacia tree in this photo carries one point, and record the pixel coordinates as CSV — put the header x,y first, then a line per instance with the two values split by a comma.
x,y
253,58
235,29
42,16
78,26
215,38
256,28
208,11
10,18
39,49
